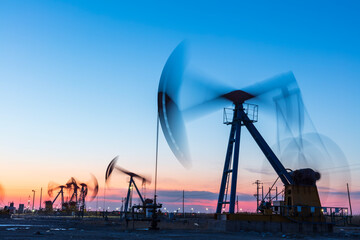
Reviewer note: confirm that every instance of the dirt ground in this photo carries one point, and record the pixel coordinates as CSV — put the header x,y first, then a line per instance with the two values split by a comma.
x,y
97,228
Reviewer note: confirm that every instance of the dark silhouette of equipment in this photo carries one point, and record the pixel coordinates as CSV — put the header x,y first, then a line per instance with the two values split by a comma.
x,y
132,183
71,203
77,193
72,186
83,193
51,188
90,186
300,187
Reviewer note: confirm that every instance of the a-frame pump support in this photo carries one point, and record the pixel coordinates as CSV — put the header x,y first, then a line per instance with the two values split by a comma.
x,y
61,192
240,118
132,182
233,138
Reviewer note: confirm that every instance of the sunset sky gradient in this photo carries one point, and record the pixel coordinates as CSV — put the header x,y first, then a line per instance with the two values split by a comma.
x,y
79,79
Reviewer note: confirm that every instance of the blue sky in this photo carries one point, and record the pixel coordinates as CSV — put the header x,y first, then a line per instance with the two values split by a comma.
x,y
78,82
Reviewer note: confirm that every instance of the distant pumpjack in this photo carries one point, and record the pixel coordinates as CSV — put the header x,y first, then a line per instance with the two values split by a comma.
x,y
83,193
72,185
132,175
91,186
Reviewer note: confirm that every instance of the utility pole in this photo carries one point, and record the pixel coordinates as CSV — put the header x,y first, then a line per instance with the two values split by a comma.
x,y
347,185
258,183
183,204
33,205
276,196
154,219
237,204
270,195
122,204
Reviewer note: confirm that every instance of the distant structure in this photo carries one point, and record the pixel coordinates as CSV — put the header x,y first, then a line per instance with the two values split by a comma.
x,y
12,209
132,184
21,208
28,204
77,191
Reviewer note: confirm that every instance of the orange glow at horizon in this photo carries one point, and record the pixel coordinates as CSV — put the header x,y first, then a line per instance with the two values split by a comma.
x,y
199,204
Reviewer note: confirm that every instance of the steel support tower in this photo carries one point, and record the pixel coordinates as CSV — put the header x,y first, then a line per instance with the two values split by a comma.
x,y
240,118
231,163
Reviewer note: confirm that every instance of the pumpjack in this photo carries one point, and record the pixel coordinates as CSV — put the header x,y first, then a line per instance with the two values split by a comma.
x,y
83,194
301,193
72,185
77,195
300,185
145,203
60,193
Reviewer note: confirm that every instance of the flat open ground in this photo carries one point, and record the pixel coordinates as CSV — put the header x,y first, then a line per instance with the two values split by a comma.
x,y
97,228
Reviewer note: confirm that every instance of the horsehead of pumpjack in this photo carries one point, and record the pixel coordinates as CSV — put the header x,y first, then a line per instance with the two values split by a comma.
x,y
112,166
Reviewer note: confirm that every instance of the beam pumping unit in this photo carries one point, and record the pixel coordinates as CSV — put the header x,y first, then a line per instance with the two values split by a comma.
x,y
301,197
72,195
146,204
